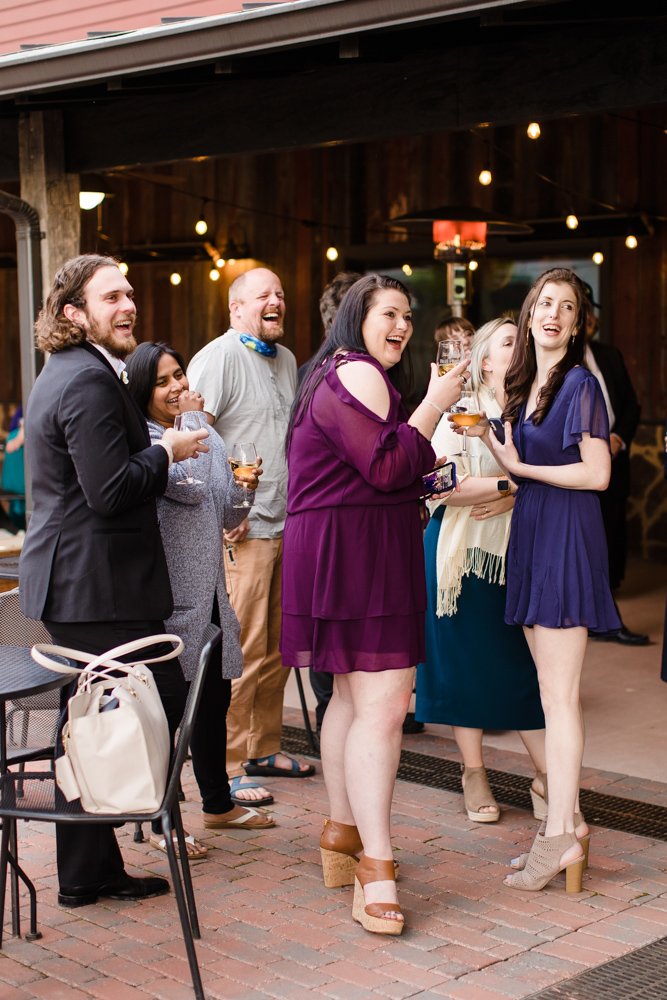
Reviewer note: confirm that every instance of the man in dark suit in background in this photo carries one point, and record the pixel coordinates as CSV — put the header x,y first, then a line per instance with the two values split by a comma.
x,y
606,363
92,566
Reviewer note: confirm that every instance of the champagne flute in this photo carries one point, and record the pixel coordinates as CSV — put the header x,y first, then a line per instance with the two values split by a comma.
x,y
448,356
243,459
465,413
190,421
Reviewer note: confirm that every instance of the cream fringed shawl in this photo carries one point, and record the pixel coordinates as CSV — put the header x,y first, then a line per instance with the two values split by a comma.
x,y
465,545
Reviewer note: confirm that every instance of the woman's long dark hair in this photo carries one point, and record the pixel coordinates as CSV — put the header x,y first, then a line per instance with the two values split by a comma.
x,y
523,366
345,335
142,370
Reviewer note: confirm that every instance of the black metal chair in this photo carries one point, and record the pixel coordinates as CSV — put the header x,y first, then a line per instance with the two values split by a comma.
x,y
32,723
42,800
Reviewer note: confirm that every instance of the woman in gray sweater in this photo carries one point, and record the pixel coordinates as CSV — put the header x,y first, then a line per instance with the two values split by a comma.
x,y
192,519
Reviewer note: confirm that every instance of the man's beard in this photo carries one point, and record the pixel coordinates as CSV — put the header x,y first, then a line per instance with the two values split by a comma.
x,y
118,345
272,334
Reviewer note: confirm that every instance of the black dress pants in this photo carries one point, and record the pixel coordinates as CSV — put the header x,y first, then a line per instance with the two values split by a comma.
x,y
88,854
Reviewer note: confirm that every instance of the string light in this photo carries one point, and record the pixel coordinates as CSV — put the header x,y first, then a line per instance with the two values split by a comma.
x,y
485,177
473,265
598,257
220,262
572,221
175,278
332,253
631,241
407,270
534,131
201,226
214,274
123,268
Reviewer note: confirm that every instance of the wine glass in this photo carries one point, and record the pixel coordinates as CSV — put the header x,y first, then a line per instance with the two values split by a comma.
x,y
243,459
190,421
465,413
448,356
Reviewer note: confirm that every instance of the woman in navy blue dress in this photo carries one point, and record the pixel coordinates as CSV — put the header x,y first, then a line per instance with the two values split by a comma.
x,y
556,448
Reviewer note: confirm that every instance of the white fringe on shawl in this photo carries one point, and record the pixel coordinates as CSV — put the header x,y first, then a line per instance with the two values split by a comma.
x,y
464,545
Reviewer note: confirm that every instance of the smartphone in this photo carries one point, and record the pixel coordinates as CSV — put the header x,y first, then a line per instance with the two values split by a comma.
x,y
439,480
498,428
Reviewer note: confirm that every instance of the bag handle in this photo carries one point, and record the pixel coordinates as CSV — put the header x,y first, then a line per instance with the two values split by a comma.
x,y
43,654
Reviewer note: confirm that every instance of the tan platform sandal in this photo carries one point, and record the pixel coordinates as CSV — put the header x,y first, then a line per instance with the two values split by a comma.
x,y
372,916
540,802
544,863
340,848
518,864
477,794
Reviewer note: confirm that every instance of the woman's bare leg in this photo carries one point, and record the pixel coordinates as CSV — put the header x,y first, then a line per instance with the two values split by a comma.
x,y
372,752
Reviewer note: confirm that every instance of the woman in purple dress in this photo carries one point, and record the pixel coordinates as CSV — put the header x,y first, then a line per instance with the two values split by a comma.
x,y
353,571
556,448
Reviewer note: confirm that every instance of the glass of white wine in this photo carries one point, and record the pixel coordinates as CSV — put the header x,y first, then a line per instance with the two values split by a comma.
x,y
448,356
190,421
465,413
243,459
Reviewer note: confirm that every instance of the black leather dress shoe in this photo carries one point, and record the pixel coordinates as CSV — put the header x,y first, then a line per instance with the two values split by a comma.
x,y
123,887
624,636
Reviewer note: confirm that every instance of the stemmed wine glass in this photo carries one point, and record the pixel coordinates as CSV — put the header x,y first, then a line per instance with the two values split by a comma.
x,y
465,413
448,356
243,459
190,421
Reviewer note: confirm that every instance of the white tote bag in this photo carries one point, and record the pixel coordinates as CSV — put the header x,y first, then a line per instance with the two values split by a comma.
x,y
116,738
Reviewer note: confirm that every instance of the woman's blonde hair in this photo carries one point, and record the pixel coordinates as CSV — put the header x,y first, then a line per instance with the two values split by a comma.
x,y
480,348
53,331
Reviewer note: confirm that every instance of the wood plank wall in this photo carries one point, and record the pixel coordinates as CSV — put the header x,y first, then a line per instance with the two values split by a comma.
x,y
301,197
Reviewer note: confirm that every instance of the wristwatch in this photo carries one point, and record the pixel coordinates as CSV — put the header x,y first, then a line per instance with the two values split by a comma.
x,y
504,487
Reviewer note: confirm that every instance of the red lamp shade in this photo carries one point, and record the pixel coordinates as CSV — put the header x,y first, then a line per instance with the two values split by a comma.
x,y
469,235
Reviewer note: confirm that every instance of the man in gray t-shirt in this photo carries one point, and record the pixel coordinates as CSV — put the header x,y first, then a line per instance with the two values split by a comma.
x,y
248,381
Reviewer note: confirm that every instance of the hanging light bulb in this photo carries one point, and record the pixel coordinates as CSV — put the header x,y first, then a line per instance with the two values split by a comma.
x,y
332,253
485,177
123,268
572,221
407,270
598,257
175,278
220,262
631,241
201,226
473,265
534,131
214,274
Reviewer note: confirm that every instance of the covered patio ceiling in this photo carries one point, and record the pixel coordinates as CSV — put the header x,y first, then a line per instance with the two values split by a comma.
x,y
321,72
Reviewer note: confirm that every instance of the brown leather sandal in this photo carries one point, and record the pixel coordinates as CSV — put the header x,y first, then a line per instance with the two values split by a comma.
x,y
340,847
373,916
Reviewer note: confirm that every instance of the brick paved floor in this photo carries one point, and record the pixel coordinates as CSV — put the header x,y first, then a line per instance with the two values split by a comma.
x,y
270,929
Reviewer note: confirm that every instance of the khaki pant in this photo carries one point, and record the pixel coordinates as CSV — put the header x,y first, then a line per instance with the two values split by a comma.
x,y
255,718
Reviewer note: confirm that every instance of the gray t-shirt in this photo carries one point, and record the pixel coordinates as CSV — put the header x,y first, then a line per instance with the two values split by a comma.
x,y
250,396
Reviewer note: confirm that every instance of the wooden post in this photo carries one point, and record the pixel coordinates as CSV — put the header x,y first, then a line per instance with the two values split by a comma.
x,y
48,188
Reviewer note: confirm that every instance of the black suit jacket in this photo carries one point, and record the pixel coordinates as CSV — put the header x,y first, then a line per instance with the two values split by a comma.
x,y
626,410
93,550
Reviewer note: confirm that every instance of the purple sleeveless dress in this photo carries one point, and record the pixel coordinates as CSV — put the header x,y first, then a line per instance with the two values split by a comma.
x,y
353,588
557,568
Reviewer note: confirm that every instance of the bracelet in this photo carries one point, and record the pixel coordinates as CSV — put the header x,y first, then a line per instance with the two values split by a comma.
x,y
434,405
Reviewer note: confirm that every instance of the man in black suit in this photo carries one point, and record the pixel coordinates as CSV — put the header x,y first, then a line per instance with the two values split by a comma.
x,y
606,363
92,567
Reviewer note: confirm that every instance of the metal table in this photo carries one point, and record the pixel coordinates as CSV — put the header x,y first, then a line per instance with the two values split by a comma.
x,y
20,677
